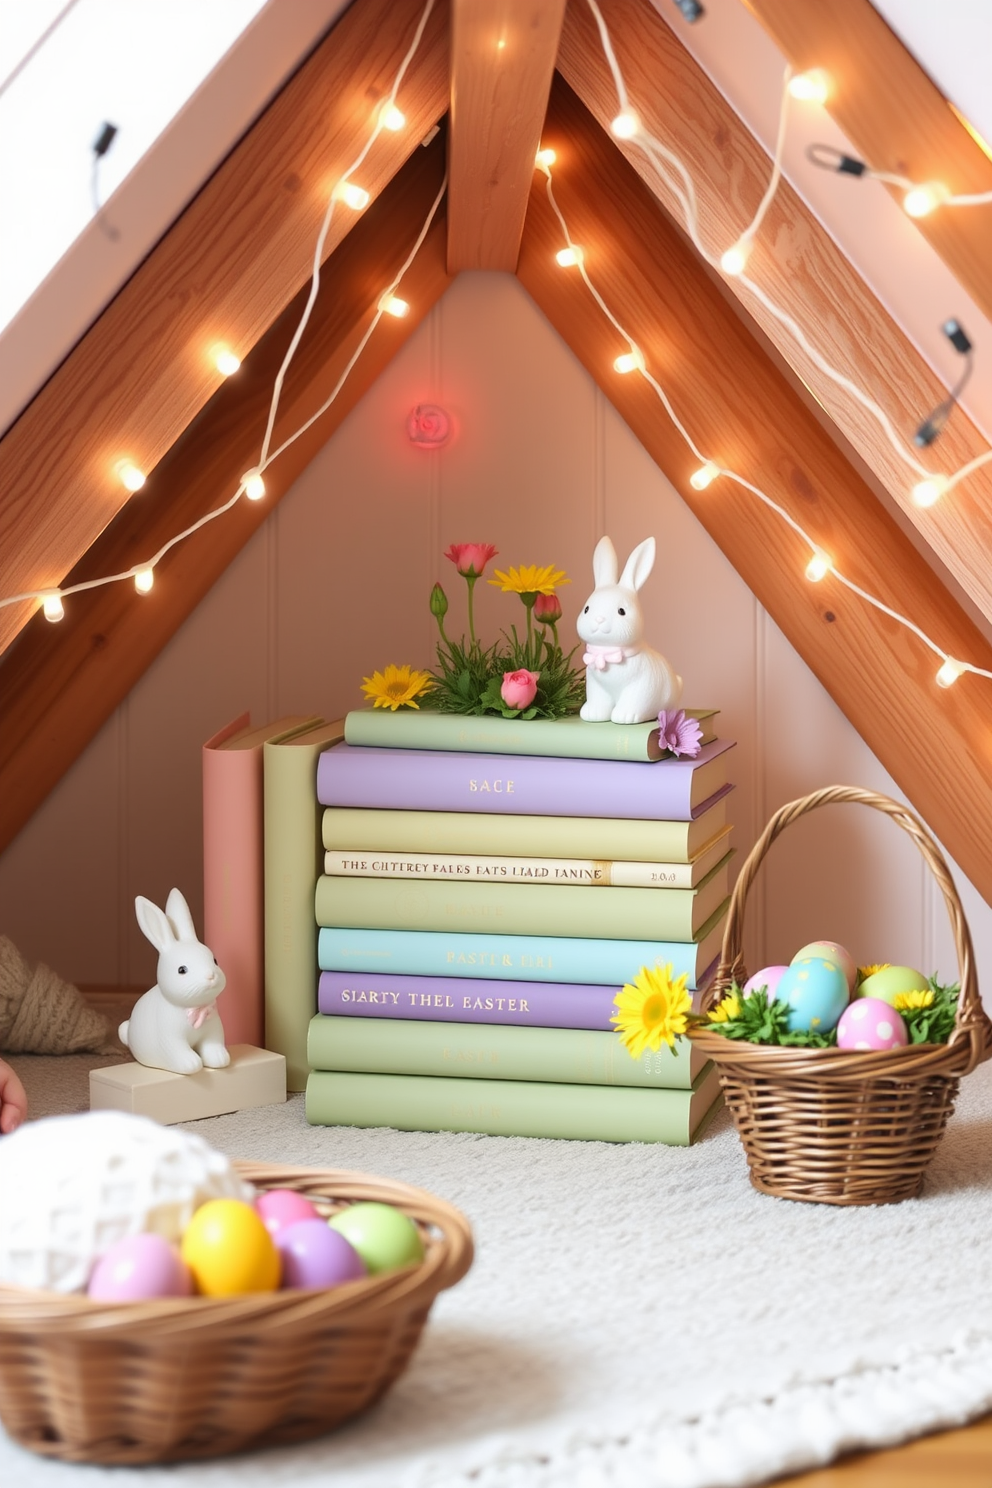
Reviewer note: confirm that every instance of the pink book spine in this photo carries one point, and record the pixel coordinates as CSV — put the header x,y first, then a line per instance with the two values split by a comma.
x,y
233,914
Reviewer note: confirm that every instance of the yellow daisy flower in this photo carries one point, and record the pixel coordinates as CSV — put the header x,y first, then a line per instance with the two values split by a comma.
x,y
727,1008
864,972
904,1000
530,579
396,686
652,1010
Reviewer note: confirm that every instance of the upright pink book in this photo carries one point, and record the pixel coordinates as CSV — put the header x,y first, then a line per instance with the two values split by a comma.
x,y
233,911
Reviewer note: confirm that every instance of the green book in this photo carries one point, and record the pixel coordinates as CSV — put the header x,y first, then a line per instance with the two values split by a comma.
x,y
291,853
514,1108
520,908
562,738
489,1051
356,829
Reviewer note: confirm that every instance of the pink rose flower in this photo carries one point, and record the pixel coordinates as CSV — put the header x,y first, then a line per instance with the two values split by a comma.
x,y
519,689
547,609
470,558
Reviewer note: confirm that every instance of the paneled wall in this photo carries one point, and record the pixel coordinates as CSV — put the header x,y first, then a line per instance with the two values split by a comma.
x,y
337,583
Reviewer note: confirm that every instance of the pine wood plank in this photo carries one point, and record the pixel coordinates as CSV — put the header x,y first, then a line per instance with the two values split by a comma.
x,y
502,58
227,268
896,117
799,267
962,1458
738,403
59,683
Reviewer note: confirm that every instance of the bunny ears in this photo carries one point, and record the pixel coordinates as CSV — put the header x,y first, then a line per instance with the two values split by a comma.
x,y
635,570
164,927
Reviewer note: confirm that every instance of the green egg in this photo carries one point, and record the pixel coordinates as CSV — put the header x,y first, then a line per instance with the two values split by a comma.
x,y
384,1237
890,981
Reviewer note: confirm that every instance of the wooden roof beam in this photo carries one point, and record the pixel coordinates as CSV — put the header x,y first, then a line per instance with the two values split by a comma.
x,y
735,401
502,58
223,272
798,266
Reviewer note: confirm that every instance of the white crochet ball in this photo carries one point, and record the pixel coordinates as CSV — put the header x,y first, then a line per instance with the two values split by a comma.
x,y
70,1186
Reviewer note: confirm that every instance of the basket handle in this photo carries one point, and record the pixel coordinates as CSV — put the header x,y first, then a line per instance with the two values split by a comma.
x,y
970,1022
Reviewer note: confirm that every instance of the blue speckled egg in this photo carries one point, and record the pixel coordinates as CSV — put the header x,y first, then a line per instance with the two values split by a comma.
x,y
816,990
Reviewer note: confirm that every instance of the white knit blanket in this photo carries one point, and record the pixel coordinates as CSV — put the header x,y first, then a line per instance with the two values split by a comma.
x,y
640,1317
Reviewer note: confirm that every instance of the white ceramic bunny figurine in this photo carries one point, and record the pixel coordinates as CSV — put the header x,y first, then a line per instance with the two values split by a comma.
x,y
626,681
175,1025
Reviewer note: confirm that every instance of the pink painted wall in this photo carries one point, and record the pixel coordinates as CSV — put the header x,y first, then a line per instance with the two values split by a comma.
x,y
336,584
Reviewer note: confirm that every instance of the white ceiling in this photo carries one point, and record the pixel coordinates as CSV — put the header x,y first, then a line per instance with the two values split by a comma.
x,y
952,41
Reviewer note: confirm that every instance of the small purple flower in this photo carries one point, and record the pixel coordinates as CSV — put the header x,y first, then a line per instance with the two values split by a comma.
x,y
679,734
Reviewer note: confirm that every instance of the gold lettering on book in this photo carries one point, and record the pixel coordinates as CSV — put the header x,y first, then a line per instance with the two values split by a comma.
x,y
496,787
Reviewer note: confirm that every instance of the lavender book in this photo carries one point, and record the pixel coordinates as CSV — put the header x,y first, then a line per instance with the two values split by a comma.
x,y
428,780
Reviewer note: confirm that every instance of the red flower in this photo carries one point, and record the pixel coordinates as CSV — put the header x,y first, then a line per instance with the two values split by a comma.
x,y
547,609
519,689
470,558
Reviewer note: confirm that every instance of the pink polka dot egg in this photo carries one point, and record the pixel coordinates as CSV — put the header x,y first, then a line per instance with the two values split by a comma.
x,y
870,1023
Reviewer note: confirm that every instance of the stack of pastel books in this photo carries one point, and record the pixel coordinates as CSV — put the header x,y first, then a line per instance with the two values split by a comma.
x,y
490,884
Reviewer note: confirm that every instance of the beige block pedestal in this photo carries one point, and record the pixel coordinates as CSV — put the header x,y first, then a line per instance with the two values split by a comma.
x,y
254,1077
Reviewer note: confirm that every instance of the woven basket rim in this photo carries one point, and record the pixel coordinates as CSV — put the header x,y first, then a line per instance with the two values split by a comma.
x,y
448,1255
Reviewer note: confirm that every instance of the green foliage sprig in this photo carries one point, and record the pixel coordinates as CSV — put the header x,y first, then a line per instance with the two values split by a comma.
x,y
760,1021
933,1024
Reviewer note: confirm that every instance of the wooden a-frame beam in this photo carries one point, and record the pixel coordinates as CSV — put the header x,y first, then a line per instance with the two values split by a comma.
x,y
502,58
223,273
801,269
58,684
896,117
732,397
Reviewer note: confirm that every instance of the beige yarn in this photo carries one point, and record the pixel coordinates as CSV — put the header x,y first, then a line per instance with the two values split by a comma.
x,y
42,1014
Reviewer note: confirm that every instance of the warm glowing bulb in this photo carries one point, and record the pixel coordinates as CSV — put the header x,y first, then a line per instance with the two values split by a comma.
x,y
811,87
567,257
130,476
735,259
626,124
630,361
921,200
352,196
926,492
949,672
144,579
225,361
546,157
254,485
704,476
391,117
391,304
53,607
818,566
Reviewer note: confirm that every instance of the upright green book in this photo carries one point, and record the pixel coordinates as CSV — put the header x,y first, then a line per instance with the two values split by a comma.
x,y
513,1108
291,821
562,738
490,1051
520,908
360,829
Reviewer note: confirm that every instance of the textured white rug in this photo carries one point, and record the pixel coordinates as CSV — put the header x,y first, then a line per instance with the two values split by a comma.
x,y
639,1317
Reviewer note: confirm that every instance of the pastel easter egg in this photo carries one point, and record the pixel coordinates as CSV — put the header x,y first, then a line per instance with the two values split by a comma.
x,y
892,980
769,978
229,1250
816,991
870,1023
314,1255
829,950
280,1207
138,1268
384,1237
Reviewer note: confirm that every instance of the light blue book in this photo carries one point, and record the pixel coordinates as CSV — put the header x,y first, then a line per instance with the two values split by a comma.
x,y
517,958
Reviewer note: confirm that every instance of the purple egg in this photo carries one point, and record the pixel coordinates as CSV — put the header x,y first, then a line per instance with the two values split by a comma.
x,y
769,977
313,1255
280,1207
139,1268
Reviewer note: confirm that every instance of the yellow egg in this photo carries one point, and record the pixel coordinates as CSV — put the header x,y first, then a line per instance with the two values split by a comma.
x,y
229,1250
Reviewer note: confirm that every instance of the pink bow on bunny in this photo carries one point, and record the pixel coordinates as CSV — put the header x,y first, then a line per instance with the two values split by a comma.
x,y
199,1015
599,657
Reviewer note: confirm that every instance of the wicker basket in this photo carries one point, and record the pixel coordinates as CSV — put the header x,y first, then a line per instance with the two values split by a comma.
x,y
197,1377
830,1126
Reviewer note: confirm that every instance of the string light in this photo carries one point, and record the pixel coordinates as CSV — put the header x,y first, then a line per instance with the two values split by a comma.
x,y
927,492
391,304
810,87
625,125
545,157
630,361
569,257
392,118
355,197
950,672
225,361
704,476
734,260
144,579
53,606
920,201
130,477
253,485
921,197
818,566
